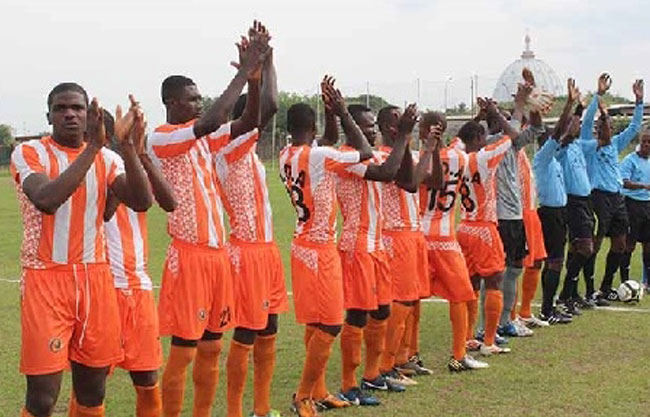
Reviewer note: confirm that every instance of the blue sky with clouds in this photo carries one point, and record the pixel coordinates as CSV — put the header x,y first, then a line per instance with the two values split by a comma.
x,y
113,48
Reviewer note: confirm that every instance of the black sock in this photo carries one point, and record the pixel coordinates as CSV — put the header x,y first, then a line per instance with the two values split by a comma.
x,y
550,282
611,266
625,266
588,273
574,264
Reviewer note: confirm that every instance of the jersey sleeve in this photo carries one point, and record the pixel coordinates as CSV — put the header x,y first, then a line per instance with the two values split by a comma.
x,y
587,127
342,162
114,165
25,161
236,149
625,137
545,154
627,168
491,155
220,137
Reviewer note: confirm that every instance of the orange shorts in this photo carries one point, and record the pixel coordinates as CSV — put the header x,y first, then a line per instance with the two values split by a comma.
x,y
407,258
534,238
317,283
140,333
366,280
69,313
258,281
448,269
196,293
482,248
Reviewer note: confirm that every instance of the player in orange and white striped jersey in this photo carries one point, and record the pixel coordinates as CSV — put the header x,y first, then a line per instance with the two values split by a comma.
x,y
308,173
477,234
128,252
535,242
366,270
448,270
259,288
196,300
69,314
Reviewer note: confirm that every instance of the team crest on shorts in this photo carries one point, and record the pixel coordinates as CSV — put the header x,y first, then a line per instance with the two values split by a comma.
x,y
56,344
266,304
202,314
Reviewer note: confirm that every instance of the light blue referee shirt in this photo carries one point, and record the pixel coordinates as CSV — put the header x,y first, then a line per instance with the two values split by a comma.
x,y
549,177
635,168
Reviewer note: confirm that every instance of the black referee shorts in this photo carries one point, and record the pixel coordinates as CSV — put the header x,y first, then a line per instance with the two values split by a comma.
x,y
611,213
580,217
638,212
513,235
554,228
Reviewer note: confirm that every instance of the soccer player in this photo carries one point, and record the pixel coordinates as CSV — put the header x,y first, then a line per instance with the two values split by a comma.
x,y
448,269
635,171
367,284
602,155
477,234
196,300
552,211
127,250
308,173
69,313
259,289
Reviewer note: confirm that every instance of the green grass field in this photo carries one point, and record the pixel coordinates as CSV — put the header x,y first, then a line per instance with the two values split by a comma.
x,y
597,366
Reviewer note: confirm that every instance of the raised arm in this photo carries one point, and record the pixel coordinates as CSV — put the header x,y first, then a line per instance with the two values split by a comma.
x,y
331,133
625,137
587,128
573,95
506,127
269,93
48,195
387,171
131,188
405,177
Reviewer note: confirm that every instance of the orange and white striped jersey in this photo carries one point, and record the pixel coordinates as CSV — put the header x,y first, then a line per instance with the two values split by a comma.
x,y
187,164
456,143
526,181
308,174
361,207
75,232
438,206
128,249
399,207
478,191
242,180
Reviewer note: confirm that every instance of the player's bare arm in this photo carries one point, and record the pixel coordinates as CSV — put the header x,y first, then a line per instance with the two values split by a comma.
x,y
573,96
387,171
431,173
48,195
249,62
355,136
406,173
331,133
269,93
493,112
132,187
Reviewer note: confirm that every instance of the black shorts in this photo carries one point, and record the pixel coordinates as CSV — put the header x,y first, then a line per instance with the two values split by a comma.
x,y
554,227
513,235
580,218
639,214
611,213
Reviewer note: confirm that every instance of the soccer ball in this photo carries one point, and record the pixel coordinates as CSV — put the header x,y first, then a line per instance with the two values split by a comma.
x,y
629,291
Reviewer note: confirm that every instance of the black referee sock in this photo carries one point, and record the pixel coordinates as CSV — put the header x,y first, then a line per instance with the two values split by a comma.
x,y
574,264
625,266
588,272
550,282
612,265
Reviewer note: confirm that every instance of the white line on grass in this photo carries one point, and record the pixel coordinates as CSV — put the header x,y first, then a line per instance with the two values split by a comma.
x,y
439,300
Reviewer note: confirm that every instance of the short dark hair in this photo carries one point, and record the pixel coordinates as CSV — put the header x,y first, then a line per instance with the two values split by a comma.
x,y
239,107
470,131
384,113
109,125
300,118
432,118
63,87
357,109
172,86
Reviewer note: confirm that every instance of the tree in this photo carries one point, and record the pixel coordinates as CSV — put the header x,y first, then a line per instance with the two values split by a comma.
x,y
6,135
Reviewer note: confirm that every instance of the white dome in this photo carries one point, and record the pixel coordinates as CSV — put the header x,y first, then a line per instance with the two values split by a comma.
x,y
544,75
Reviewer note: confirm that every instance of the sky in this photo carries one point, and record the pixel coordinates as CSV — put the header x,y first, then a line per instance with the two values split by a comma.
x,y
381,46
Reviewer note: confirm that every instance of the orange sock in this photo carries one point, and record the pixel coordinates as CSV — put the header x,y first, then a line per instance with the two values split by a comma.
x,y
83,411
318,353
25,413
263,364
493,307
237,370
351,338
528,289
472,314
206,376
396,327
414,346
173,379
458,317
374,335
405,346
148,401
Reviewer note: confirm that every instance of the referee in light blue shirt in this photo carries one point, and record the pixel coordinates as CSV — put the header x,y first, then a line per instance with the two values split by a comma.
x,y
635,171
602,155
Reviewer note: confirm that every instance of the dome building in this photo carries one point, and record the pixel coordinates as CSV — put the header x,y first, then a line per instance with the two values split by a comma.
x,y
545,77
